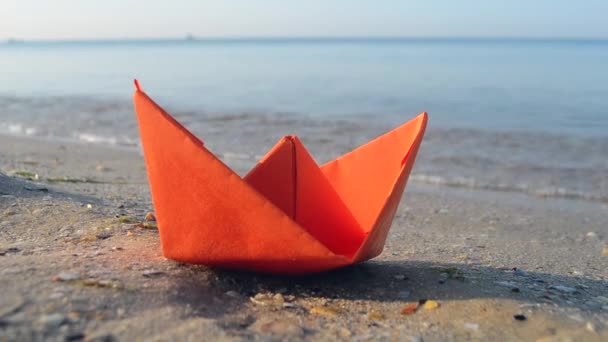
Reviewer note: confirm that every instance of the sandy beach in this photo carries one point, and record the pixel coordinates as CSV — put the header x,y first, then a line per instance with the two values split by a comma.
x,y
76,264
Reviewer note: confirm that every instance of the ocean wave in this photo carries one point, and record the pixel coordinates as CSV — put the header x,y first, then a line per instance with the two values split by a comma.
x,y
18,129
475,184
106,139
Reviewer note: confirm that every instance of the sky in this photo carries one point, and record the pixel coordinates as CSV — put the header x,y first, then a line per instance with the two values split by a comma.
x,y
132,19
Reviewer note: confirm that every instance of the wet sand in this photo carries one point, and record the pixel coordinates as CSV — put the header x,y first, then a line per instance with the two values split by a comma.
x,y
74,265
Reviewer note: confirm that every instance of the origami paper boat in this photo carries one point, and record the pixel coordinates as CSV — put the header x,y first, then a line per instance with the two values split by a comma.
x,y
288,215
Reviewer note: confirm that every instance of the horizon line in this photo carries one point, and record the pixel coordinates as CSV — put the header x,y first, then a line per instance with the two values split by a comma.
x,y
194,38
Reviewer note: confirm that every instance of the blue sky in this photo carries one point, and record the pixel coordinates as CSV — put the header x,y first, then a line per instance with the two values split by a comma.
x,y
95,19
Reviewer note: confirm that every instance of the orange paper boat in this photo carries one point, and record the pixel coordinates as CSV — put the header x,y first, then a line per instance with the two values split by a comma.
x,y
288,215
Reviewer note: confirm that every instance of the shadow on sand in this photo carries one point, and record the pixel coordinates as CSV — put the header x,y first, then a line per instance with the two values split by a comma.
x,y
404,281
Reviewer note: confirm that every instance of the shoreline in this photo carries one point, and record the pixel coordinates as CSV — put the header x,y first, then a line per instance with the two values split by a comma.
x,y
430,182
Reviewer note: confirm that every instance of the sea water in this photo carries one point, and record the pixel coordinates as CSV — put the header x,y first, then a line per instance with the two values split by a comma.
x,y
505,114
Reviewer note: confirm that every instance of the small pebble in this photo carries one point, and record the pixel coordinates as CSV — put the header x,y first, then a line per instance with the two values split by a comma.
x,y
589,326
152,273
520,317
324,311
409,309
89,206
400,276
67,276
150,217
265,299
605,251
591,234
430,305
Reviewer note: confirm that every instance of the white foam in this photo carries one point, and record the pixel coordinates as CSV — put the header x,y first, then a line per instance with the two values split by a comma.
x,y
18,129
97,139
470,183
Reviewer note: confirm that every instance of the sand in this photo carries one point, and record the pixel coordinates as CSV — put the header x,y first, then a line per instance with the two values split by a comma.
x,y
74,265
